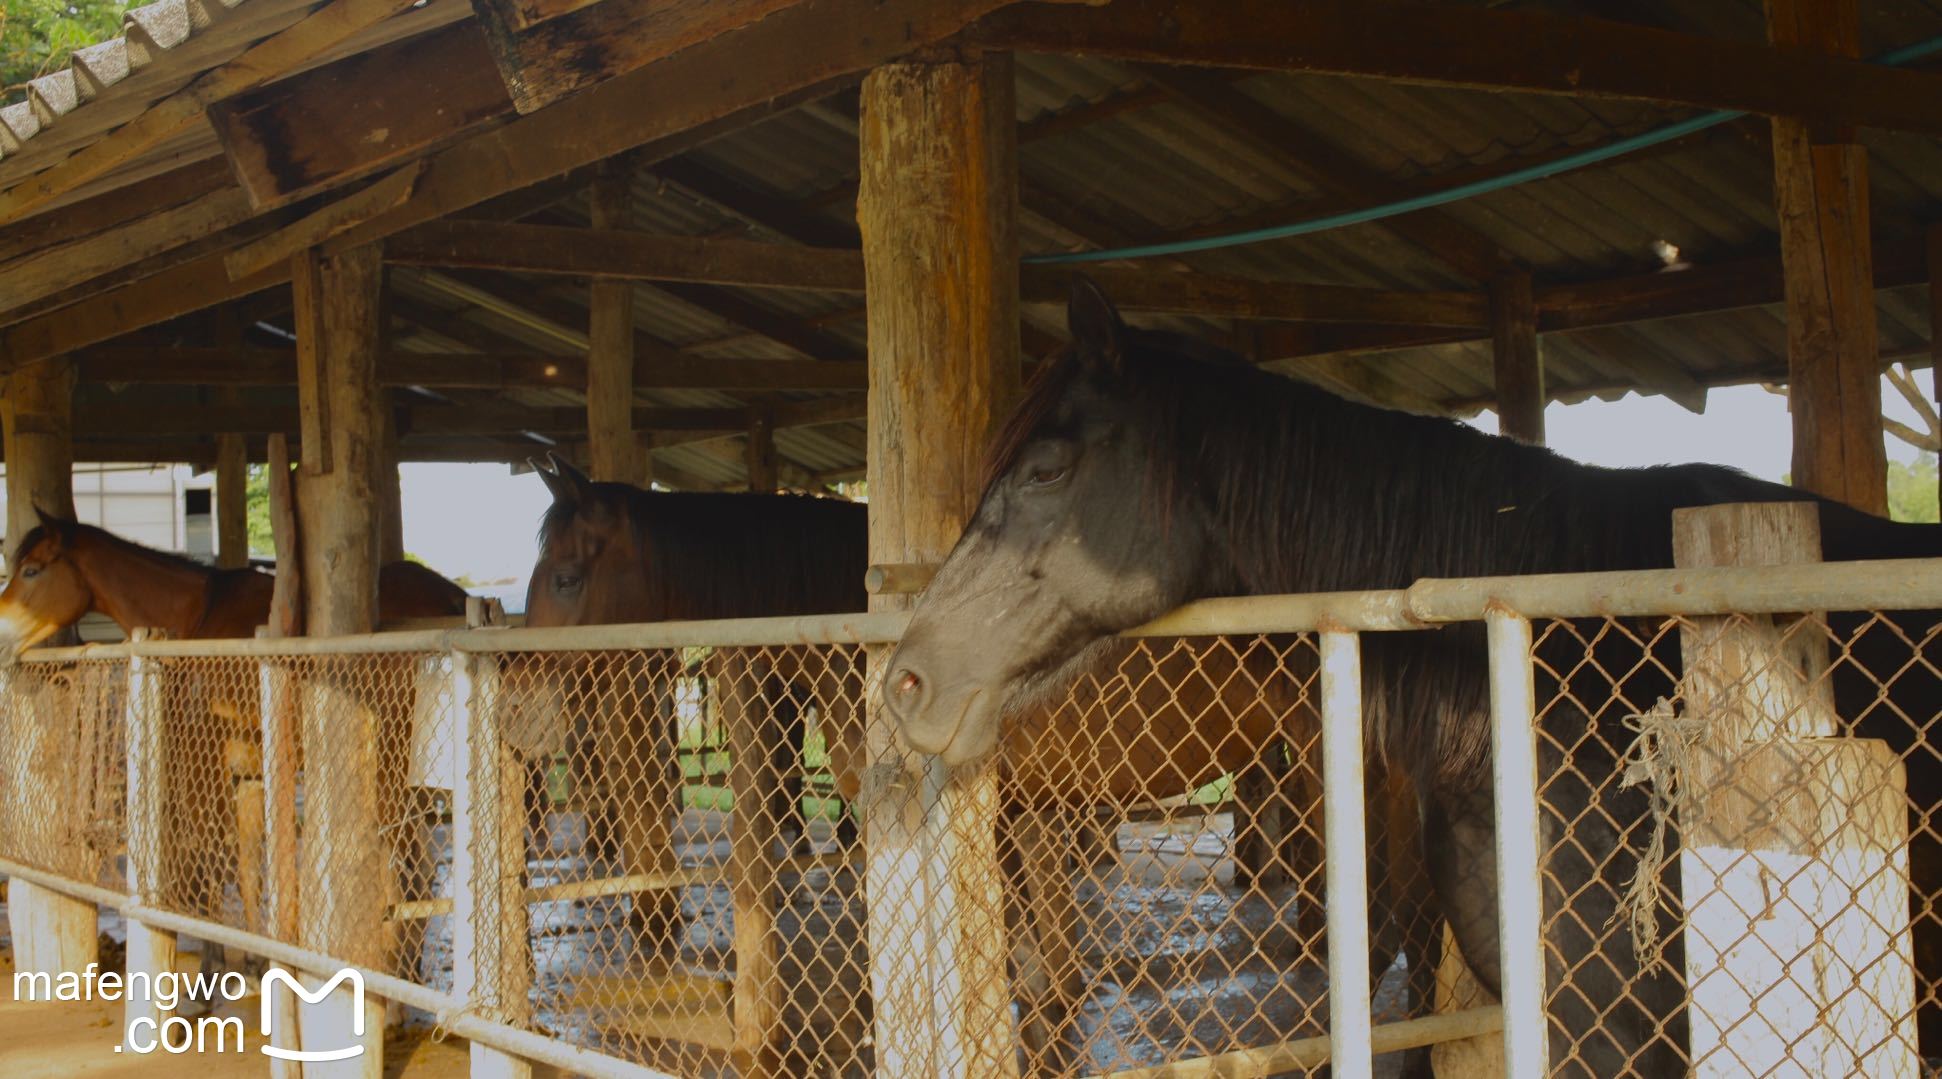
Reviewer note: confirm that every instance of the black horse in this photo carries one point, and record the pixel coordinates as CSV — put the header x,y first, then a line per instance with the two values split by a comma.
x,y
1144,470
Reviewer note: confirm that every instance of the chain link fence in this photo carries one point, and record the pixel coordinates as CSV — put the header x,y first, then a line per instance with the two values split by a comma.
x,y
710,857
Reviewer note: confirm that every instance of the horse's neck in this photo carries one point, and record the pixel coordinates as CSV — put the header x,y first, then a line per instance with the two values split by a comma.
x,y
139,591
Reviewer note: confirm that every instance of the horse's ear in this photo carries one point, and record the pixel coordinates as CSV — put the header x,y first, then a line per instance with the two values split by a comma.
x,y
567,483
562,488
53,522
1098,333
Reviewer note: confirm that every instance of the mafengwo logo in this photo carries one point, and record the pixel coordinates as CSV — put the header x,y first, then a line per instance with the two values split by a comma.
x,y
178,1035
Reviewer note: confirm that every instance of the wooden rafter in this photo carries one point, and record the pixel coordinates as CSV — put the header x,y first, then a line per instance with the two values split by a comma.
x,y
1524,50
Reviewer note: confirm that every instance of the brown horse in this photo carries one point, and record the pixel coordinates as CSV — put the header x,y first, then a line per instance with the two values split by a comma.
x,y
613,553
64,570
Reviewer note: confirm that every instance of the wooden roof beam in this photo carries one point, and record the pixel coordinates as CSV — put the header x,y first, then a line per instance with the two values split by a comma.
x,y
1523,50
459,370
609,253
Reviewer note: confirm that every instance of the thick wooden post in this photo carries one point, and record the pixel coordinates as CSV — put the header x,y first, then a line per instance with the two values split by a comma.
x,y
39,431
1518,359
1935,327
345,875
57,932
1820,191
614,447
232,502
1795,877
391,540
936,205
753,866
761,451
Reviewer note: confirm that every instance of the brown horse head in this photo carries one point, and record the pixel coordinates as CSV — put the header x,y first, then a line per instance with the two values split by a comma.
x,y
590,570
48,590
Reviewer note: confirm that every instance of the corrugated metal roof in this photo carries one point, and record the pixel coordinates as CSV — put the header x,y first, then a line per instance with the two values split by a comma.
x,y
1150,172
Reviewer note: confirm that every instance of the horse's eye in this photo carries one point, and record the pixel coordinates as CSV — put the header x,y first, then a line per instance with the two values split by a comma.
x,y
30,572
566,582
1046,476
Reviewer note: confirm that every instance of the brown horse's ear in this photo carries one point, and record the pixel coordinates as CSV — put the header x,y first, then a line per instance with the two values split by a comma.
x,y
54,523
567,483
1098,333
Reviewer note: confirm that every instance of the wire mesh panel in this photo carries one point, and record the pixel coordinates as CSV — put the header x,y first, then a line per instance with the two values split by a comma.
x,y
689,852
1738,835
64,767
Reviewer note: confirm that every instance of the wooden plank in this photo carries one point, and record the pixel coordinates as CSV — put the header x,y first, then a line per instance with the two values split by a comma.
x,y
550,249
459,370
364,113
545,53
122,206
1821,197
338,217
614,451
267,59
52,270
1517,359
939,170
797,54
1524,50
134,421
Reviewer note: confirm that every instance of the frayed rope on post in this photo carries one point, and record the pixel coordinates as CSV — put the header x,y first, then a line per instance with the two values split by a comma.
x,y
1663,758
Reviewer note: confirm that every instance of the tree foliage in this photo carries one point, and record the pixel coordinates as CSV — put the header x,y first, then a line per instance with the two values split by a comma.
x,y
37,36
1911,489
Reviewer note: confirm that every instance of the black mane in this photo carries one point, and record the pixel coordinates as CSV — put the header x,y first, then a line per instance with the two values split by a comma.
x,y
738,555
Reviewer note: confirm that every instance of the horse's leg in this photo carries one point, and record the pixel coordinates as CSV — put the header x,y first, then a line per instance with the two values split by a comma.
x,y
1611,1017
787,725
1049,977
1261,820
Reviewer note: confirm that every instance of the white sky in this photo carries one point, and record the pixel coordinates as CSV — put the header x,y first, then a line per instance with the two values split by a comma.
x,y
479,521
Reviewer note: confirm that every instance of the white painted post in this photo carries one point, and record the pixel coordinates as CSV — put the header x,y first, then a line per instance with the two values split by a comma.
x,y
150,951
1795,876
1347,846
1520,906
278,717
491,967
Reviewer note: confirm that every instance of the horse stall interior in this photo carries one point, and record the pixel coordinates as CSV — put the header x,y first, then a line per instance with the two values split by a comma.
x,y
1696,833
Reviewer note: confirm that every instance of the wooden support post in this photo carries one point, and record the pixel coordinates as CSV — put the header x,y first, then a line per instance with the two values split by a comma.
x,y
278,715
1795,877
761,451
391,541
492,967
1820,192
345,874
614,446
938,190
1518,359
57,932
149,949
232,502
753,884
1935,327
39,429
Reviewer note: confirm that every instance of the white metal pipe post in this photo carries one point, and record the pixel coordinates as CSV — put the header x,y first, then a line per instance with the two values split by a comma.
x,y
489,927
1347,847
1520,906
150,950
